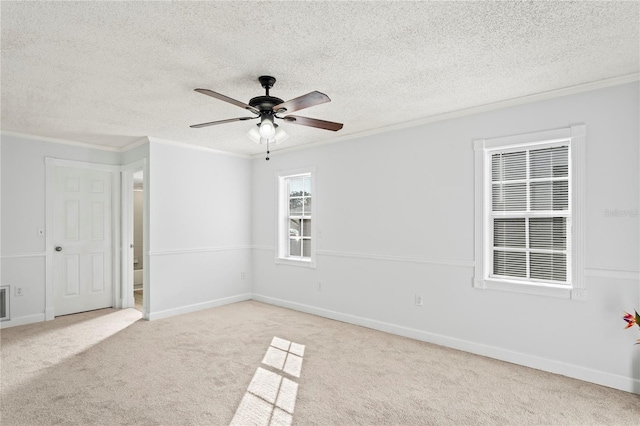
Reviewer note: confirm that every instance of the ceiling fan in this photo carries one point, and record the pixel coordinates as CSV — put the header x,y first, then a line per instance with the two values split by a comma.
x,y
267,108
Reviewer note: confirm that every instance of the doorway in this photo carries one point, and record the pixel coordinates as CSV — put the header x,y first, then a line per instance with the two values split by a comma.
x,y
80,245
135,237
138,239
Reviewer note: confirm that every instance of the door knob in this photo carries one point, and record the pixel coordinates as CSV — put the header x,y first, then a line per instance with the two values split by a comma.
x,y
58,248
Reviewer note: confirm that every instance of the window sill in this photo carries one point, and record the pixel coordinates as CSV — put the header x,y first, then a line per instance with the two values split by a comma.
x,y
295,262
560,291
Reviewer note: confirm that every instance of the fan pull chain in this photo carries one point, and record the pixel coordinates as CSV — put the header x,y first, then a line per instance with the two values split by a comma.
x,y
267,149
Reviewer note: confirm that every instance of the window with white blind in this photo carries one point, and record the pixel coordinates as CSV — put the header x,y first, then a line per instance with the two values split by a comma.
x,y
296,231
531,214
528,230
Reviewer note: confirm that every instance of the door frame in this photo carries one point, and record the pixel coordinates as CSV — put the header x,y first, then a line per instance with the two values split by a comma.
x,y
127,235
50,166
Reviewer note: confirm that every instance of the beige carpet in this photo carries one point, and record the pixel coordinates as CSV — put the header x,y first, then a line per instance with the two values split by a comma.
x,y
108,367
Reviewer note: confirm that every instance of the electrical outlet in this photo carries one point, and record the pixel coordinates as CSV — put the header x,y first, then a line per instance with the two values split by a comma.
x,y
243,275
319,285
19,291
418,299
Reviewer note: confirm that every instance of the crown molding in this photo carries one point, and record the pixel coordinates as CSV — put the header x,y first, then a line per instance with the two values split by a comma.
x,y
557,93
196,147
60,141
141,141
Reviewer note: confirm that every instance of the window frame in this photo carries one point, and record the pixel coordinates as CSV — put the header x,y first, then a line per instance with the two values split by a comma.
x,y
283,237
575,138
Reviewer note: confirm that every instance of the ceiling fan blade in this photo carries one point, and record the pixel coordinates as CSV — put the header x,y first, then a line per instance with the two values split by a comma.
x,y
213,123
227,99
313,122
304,101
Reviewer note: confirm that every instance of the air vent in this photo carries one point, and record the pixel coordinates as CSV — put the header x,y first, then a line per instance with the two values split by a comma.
x,y
4,303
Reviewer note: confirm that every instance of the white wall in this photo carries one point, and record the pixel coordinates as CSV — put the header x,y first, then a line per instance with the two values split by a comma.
x,y
23,212
200,228
199,219
395,215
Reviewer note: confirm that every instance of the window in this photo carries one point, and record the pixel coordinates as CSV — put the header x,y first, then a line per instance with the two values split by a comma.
x,y
299,216
296,230
528,230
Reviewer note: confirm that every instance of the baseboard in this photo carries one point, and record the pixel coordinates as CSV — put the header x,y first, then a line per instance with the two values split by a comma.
x,y
27,319
198,306
626,384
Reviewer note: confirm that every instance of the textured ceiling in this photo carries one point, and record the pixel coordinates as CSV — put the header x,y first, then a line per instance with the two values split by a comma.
x,y
109,73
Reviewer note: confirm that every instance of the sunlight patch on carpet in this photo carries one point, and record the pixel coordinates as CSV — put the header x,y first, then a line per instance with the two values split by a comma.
x,y
297,349
287,395
271,398
265,384
293,365
285,355
279,343
274,358
281,418
39,350
252,411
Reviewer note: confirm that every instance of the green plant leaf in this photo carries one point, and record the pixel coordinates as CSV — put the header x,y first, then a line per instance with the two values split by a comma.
x,y
637,318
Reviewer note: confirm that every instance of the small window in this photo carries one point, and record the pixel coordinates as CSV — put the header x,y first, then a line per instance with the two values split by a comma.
x,y
299,216
296,228
528,210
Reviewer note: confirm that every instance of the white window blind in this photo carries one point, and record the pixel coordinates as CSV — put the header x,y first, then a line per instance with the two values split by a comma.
x,y
531,214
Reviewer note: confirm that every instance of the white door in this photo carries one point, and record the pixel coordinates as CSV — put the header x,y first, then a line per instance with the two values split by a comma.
x,y
82,275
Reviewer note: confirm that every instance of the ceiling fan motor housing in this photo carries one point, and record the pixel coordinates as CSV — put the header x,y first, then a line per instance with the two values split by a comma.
x,y
266,103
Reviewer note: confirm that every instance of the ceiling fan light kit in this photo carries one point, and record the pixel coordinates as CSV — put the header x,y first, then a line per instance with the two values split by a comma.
x,y
279,137
267,109
267,127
